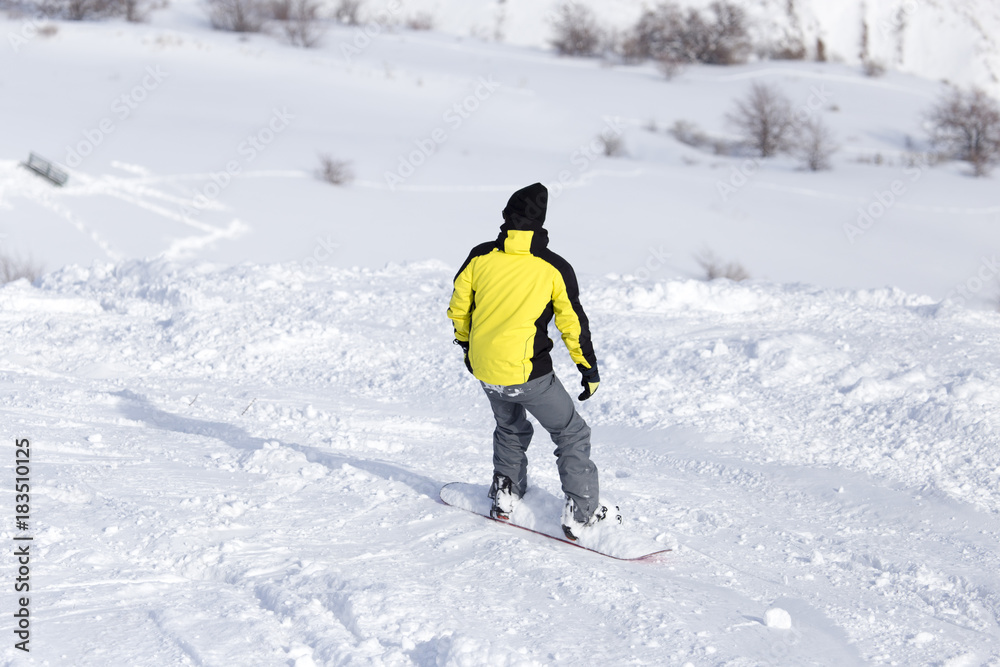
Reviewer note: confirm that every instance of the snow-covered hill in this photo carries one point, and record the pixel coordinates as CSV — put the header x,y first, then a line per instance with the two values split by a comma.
x,y
240,466
182,142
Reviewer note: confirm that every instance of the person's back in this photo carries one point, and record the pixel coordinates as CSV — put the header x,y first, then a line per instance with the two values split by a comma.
x,y
505,295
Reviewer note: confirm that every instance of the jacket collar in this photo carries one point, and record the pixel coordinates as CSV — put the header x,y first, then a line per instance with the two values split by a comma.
x,y
522,241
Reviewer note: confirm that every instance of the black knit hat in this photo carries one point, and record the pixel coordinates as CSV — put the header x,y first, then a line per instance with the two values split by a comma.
x,y
528,204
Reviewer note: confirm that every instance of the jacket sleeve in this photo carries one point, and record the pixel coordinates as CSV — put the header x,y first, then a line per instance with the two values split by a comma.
x,y
463,297
460,307
571,321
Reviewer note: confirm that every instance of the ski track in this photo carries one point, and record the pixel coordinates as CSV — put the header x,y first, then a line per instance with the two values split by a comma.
x,y
260,486
137,192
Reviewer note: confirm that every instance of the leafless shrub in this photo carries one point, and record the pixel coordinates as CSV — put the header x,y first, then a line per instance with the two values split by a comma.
x,y
613,145
79,10
876,159
689,134
135,11
727,37
332,170
237,15
669,66
872,68
48,30
765,120
820,50
658,33
281,10
576,31
303,26
716,268
923,159
815,144
792,49
671,37
14,268
966,125
348,11
421,21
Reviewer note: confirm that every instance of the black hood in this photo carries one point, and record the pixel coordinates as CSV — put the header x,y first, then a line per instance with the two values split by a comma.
x,y
526,208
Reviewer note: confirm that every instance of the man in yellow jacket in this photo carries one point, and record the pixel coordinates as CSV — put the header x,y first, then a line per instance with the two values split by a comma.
x,y
505,295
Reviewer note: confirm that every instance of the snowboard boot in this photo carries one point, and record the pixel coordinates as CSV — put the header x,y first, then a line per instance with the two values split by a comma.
x,y
573,528
504,498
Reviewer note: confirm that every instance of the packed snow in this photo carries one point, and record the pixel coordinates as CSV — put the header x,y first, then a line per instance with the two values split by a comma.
x,y
242,398
227,454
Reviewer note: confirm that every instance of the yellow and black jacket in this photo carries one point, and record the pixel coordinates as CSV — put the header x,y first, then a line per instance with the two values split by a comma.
x,y
506,293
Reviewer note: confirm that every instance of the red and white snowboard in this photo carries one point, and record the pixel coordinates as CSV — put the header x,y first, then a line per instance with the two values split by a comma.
x,y
540,512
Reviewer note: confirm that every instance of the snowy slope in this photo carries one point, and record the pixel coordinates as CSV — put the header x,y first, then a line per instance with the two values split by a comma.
x,y
240,417
241,466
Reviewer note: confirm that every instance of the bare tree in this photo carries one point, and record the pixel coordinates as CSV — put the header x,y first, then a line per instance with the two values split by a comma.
x,y
303,26
729,38
576,31
765,120
237,15
657,34
668,35
348,11
966,125
815,144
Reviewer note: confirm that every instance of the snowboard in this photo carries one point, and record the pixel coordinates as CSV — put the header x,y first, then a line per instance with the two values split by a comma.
x,y
540,512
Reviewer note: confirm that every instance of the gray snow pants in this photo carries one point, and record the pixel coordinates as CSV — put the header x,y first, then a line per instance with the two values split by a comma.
x,y
547,401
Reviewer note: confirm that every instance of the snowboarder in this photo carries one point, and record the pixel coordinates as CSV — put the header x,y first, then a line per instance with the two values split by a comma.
x,y
505,295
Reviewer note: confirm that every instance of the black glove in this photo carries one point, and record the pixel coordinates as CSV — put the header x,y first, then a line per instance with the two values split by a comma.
x,y
464,344
591,380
